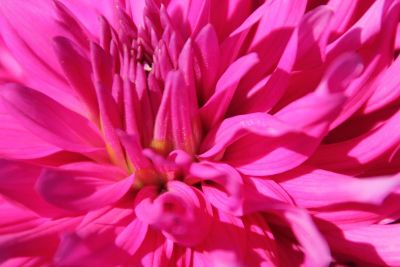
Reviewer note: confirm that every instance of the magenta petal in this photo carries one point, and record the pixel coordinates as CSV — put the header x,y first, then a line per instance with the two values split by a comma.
x,y
98,186
208,52
362,149
48,119
313,33
18,143
177,213
132,237
77,70
232,129
224,176
315,248
275,155
21,188
387,89
313,188
381,242
214,110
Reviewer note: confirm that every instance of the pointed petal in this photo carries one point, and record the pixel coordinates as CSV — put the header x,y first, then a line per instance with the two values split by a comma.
x,y
275,155
314,31
387,89
78,72
208,54
364,149
132,237
234,128
214,110
315,248
109,122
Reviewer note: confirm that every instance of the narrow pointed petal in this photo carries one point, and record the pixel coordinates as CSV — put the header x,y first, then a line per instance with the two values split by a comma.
x,y
109,122
77,70
387,89
214,110
208,54
176,118
132,237
315,248
314,31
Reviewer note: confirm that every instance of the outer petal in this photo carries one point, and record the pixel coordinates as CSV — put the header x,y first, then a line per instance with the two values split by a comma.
x,y
316,250
18,143
17,184
214,110
353,154
48,119
370,245
27,28
275,155
313,188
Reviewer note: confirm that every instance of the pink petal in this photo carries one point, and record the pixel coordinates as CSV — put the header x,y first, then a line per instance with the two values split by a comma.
x,y
214,110
46,118
313,31
365,148
208,54
226,242
82,189
21,188
275,155
109,218
261,241
315,248
313,188
176,121
109,122
387,89
87,251
227,15
33,22
359,90
342,15
18,143
77,70
230,198
132,237
274,30
101,65
234,128
370,245
180,214
41,75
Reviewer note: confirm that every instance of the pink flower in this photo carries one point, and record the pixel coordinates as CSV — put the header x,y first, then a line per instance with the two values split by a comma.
x,y
199,133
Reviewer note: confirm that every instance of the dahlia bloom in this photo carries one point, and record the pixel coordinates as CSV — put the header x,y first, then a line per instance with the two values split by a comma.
x,y
199,133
